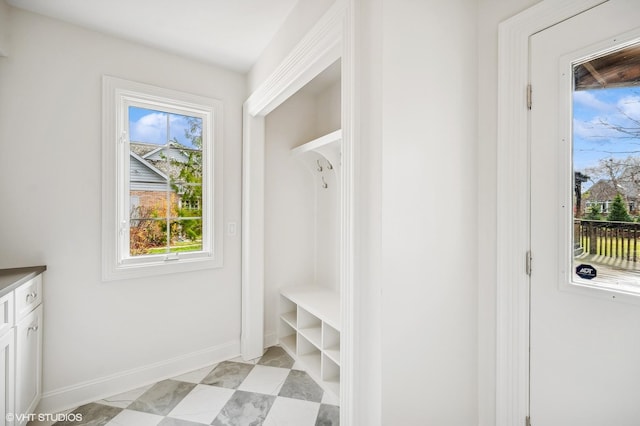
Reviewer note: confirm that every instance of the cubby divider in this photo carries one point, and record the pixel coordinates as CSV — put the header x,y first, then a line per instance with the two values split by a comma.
x,y
288,336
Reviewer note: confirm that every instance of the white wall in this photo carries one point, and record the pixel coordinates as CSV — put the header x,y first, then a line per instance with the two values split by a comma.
x,y
327,120
50,181
490,14
4,24
328,111
289,204
367,41
303,16
429,210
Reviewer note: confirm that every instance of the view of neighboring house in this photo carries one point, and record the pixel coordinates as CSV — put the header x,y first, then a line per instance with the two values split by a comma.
x,y
165,198
625,182
154,171
603,192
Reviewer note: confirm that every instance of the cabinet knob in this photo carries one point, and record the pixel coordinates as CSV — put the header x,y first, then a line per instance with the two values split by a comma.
x,y
31,295
33,328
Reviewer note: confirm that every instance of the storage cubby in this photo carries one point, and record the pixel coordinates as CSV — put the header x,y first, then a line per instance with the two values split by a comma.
x,y
309,355
316,345
330,374
310,327
288,336
331,342
288,312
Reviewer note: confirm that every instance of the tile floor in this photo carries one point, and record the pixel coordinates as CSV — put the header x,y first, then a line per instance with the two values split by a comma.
x,y
269,391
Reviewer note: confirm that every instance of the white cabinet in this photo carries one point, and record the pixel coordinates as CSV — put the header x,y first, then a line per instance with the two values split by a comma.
x,y
20,343
309,331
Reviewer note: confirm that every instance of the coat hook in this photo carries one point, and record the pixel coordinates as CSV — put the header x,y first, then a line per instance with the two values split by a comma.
x,y
329,165
319,166
324,184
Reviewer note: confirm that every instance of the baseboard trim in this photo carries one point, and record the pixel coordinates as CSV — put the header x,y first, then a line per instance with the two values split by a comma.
x,y
68,397
270,339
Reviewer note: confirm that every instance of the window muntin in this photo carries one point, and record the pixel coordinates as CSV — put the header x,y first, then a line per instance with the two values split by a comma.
x,y
606,170
162,174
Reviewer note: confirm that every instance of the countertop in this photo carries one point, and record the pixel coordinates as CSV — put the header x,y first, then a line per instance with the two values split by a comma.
x,y
12,278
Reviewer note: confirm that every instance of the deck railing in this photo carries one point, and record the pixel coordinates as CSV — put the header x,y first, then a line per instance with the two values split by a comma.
x,y
611,239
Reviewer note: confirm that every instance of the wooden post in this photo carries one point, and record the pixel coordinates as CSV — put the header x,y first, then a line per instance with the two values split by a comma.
x,y
593,239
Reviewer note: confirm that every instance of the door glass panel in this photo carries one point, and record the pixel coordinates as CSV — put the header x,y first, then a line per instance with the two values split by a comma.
x,y
606,170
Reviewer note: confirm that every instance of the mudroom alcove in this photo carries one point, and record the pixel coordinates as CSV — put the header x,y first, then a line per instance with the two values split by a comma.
x,y
302,227
297,210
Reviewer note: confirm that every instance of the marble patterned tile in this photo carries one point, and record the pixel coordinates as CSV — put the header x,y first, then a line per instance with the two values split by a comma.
x,y
203,404
264,379
275,356
328,415
228,374
292,412
162,397
135,418
123,400
93,414
300,385
245,409
195,376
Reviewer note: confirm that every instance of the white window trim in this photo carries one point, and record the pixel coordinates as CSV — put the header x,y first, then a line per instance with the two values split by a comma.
x,y
116,93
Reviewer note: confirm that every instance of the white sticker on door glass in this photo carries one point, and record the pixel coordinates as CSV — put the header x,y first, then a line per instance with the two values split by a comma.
x,y
606,170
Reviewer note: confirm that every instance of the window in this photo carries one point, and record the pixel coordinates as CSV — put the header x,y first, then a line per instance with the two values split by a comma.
x,y
162,175
606,170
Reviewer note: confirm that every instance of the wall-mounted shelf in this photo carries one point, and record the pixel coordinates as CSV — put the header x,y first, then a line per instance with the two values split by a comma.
x,y
309,331
327,147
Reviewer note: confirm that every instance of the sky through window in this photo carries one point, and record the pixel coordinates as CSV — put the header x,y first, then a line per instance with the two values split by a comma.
x,y
150,126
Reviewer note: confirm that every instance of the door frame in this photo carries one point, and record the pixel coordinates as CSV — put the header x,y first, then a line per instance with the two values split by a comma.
x,y
513,202
331,38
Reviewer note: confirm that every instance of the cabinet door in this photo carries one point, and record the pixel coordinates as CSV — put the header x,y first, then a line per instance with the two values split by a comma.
x,y
28,361
7,373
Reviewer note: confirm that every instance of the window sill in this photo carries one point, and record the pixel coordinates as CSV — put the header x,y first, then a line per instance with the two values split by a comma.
x,y
124,271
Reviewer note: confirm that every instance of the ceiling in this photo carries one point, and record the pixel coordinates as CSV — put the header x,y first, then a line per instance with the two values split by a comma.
x,y
229,33
616,69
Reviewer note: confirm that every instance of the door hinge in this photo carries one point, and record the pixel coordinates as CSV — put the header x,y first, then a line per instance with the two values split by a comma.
x,y
527,421
529,96
527,263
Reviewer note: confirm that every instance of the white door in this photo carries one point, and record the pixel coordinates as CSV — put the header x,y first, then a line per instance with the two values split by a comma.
x,y
584,330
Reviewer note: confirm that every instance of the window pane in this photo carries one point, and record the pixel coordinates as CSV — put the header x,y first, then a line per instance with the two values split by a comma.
x,y
186,235
606,170
148,126
165,182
